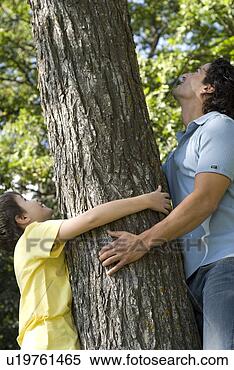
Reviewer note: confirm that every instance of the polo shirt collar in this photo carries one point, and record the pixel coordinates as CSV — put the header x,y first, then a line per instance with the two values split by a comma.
x,y
201,120
193,124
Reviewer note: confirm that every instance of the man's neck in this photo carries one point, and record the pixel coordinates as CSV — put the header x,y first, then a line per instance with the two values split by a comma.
x,y
190,111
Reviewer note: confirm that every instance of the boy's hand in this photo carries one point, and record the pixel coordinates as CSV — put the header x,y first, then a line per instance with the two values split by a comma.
x,y
159,201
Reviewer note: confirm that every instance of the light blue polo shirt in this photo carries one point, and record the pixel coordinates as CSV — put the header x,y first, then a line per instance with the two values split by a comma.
x,y
207,145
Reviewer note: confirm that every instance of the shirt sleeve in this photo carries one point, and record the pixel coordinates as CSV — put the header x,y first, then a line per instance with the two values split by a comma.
x,y
41,239
164,164
164,168
216,148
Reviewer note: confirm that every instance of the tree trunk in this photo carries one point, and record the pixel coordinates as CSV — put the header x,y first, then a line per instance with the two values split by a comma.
x,y
104,149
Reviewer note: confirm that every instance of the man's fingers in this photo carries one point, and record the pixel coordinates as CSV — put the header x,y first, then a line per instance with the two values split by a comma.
x,y
110,260
109,253
115,234
115,268
159,188
105,249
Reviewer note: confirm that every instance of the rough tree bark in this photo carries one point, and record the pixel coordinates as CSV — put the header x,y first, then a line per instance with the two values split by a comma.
x,y
104,149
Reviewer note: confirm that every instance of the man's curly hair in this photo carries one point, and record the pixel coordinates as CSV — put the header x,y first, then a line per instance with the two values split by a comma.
x,y
10,232
220,75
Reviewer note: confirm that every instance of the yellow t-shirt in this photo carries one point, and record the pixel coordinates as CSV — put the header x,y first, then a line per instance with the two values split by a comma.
x,y
45,319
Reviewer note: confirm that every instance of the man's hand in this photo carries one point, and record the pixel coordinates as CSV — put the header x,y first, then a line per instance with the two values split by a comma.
x,y
126,249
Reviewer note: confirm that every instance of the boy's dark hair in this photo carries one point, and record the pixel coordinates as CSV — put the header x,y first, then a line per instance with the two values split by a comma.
x,y
220,75
10,232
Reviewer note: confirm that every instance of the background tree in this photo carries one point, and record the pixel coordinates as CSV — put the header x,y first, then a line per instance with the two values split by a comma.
x,y
103,148
170,36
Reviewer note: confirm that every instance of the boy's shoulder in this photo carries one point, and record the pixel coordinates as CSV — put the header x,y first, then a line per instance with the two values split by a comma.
x,y
31,226
38,240
43,227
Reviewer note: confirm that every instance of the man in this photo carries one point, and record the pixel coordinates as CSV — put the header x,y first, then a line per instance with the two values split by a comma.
x,y
200,174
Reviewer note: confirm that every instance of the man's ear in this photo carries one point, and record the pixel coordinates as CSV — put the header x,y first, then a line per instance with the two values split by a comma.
x,y
22,220
207,89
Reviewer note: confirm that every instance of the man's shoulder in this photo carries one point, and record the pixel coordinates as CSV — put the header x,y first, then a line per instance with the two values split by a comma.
x,y
218,123
219,119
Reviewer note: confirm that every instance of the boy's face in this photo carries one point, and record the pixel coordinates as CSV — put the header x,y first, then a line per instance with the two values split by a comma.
x,y
34,211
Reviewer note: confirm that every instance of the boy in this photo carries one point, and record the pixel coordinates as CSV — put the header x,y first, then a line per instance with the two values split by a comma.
x,y
45,319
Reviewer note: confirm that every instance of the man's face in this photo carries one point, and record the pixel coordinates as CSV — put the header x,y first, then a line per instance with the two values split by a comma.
x,y
34,211
191,85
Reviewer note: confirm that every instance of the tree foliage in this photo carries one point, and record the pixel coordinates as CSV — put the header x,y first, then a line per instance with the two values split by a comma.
x,y
171,37
25,162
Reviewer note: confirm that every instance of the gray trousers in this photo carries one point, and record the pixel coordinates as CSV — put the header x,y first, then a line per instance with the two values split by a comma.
x,y
211,289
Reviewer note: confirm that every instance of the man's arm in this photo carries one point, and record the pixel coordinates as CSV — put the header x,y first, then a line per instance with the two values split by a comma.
x,y
209,189
108,212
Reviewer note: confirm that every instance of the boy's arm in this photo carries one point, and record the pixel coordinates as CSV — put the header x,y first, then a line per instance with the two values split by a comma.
x,y
108,212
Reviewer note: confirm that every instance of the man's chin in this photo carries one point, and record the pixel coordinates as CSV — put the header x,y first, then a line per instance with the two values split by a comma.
x,y
176,92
